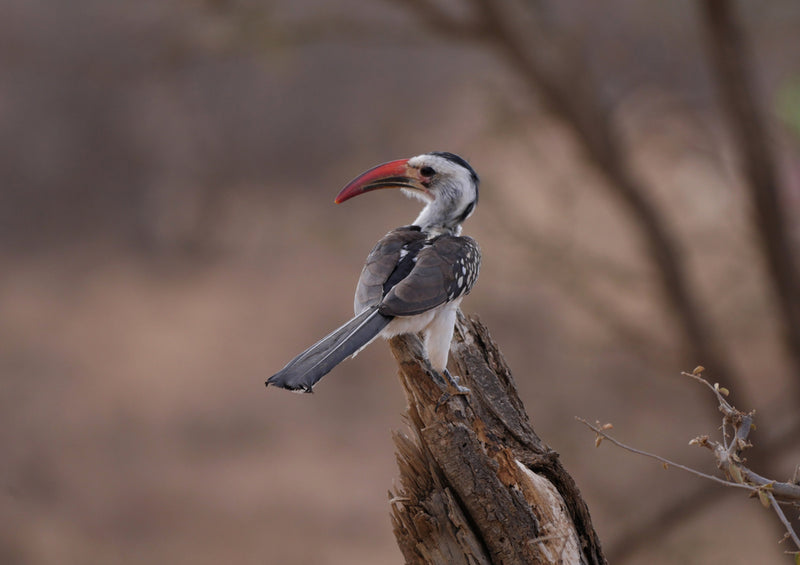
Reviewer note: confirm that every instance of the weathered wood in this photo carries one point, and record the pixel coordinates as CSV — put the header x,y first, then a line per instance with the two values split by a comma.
x,y
477,485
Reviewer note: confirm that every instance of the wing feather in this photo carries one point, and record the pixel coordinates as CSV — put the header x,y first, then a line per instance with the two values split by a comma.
x,y
383,262
444,270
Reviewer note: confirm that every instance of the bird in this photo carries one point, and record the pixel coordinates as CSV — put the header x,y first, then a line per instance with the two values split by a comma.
x,y
415,277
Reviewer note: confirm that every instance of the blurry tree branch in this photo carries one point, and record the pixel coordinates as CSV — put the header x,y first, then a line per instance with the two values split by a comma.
x,y
436,17
731,63
728,454
551,64
477,485
546,250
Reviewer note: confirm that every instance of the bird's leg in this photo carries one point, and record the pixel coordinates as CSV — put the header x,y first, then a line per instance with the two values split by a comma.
x,y
456,389
452,388
438,336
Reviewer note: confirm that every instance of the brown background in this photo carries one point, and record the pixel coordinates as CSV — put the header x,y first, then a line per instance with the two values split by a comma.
x,y
168,240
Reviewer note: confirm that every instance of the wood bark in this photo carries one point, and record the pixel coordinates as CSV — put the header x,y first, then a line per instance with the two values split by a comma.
x,y
477,485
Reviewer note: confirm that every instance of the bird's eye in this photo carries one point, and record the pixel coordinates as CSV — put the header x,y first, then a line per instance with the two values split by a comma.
x,y
427,171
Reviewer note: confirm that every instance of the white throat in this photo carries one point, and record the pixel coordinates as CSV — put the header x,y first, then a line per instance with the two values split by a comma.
x,y
446,211
434,219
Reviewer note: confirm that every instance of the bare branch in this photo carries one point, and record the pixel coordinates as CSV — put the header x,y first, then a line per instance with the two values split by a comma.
x,y
665,461
437,18
680,509
728,456
779,511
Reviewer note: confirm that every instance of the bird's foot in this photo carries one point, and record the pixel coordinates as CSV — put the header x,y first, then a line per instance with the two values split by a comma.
x,y
453,389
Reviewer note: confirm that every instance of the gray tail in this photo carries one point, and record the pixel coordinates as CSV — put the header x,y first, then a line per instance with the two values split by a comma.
x,y
303,372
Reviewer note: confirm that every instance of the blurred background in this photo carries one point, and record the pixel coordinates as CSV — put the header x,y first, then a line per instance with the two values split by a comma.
x,y
168,240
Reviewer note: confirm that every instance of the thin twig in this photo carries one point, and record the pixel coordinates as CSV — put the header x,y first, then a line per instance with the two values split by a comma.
x,y
678,510
669,462
765,489
779,511
728,455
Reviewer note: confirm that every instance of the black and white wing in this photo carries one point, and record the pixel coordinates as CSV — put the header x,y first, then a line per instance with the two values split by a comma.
x,y
391,260
443,269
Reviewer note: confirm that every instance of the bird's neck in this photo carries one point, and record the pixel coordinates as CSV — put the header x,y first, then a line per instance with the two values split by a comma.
x,y
436,231
436,219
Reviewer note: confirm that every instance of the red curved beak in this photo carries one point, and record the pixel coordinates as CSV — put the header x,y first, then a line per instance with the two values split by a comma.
x,y
394,174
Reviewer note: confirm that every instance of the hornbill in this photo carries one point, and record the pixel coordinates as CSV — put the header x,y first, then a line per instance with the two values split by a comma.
x,y
414,278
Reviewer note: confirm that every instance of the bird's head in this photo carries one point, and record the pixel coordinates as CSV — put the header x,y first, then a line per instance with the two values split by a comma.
x,y
443,181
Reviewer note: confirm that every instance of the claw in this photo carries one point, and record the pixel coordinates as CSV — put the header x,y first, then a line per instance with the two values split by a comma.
x,y
453,389
457,389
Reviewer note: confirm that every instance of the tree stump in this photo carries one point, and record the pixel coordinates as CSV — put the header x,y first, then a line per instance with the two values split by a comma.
x,y
477,485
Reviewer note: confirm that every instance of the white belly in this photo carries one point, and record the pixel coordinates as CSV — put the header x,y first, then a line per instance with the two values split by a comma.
x,y
437,327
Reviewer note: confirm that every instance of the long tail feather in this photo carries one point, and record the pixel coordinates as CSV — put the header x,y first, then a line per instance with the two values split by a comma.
x,y
303,372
